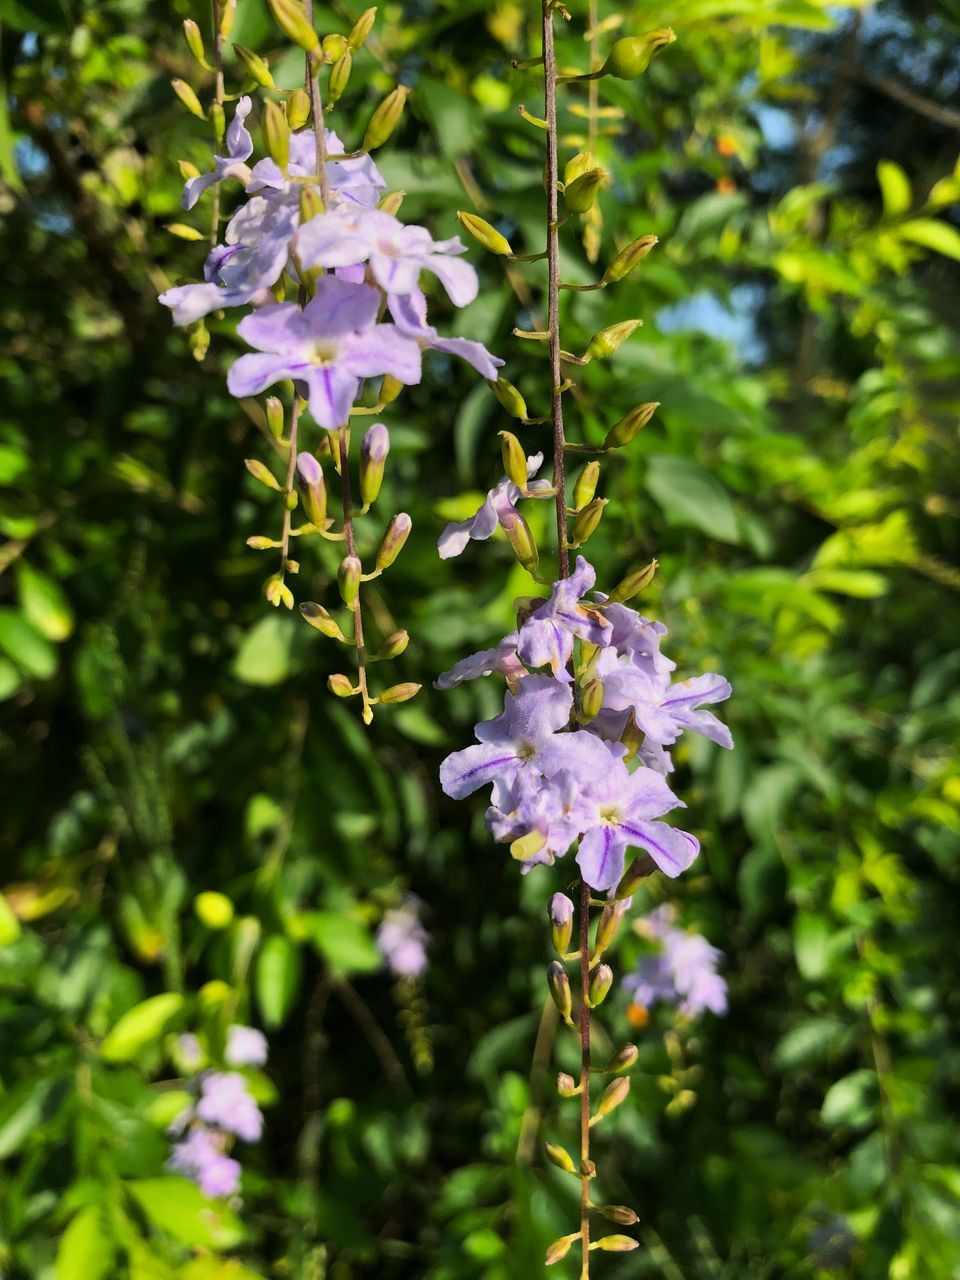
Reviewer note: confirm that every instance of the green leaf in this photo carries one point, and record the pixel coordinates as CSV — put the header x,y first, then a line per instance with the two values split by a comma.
x,y
44,604
933,234
344,942
141,1027
25,646
86,1249
810,1041
850,1101
690,495
266,653
9,924
208,1268
277,978
811,936
10,680
180,1208
22,1111
894,187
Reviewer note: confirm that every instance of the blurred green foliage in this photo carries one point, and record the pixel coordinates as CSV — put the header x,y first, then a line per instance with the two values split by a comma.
x,y
165,735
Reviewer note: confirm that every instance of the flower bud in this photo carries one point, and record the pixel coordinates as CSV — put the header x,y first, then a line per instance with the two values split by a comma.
x,y
262,473
385,118
400,693
560,1157
340,686
622,1214
184,232
298,109
311,204
339,78
617,1244
257,543
398,530
586,485
607,341
291,18
391,204
640,869
631,55
510,398
514,459
274,412
313,489
348,578
591,699
559,984
187,170
191,33
561,922
601,980
255,66
334,46
362,28
585,525
394,645
219,121
637,580
188,98
320,620
390,388
560,1248
577,166
632,738
613,1095
227,15
567,1087
215,910
276,134
587,1168
278,593
609,925
484,233
581,195
527,846
628,258
629,425
521,539
373,457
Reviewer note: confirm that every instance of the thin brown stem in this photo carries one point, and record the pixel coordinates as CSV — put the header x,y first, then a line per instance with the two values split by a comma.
x,y
347,499
218,96
316,111
584,1077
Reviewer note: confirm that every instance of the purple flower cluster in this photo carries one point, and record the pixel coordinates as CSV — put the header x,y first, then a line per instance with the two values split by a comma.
x,y
682,973
371,264
223,1110
403,940
560,775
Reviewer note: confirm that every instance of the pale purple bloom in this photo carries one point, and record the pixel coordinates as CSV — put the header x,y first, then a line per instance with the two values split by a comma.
x,y
352,182
200,1156
409,312
547,635
662,710
239,149
246,1047
527,803
226,1103
503,659
561,909
328,348
402,940
684,972
498,507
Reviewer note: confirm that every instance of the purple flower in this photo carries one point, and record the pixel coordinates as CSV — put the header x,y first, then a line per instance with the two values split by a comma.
x,y
402,940
662,710
354,182
529,803
684,972
526,740
617,812
547,636
327,348
503,659
246,1047
239,149
409,312
226,1103
200,1156
498,507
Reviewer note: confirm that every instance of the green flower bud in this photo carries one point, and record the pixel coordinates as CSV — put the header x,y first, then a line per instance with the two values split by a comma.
x,y
586,485
215,910
219,121
227,16
561,922
274,412
291,18
340,686
484,233
385,118
276,134
362,28
348,578
560,1157
339,78
390,388
191,33
183,232
334,46
628,258
514,459
630,425
255,66
188,98
601,980
560,1248
391,204
637,580
631,55
257,543
620,1213
607,341
608,926
320,620
298,109
399,693
577,166
311,204
613,1095
559,984
591,699
581,195
617,1244
262,473
278,593
567,1087
521,539
398,530
394,645
187,170
313,489
588,519
373,459
510,398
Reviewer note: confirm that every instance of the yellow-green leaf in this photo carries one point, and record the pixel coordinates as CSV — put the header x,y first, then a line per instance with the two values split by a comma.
x,y
140,1027
894,187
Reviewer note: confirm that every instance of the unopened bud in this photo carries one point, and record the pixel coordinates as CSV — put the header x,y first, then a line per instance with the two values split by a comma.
x,y
587,1168
591,699
394,645
311,204
581,195
187,170
577,166
683,1101
385,118
191,33
348,578
298,109
278,593
586,485
291,18
258,543
637,580
334,46
521,539
585,525
340,686
215,910
608,926
484,233
566,1086
339,78
601,980
390,388
274,412
514,459
559,1249
510,398
628,258
613,1095
362,28
312,488
227,16
184,232
559,984
631,55
255,66
262,473
560,1157
607,341
398,530
632,738
276,134
622,1214
617,1244
527,846
391,204
320,620
629,425
188,98
219,121
561,922
399,693
373,458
